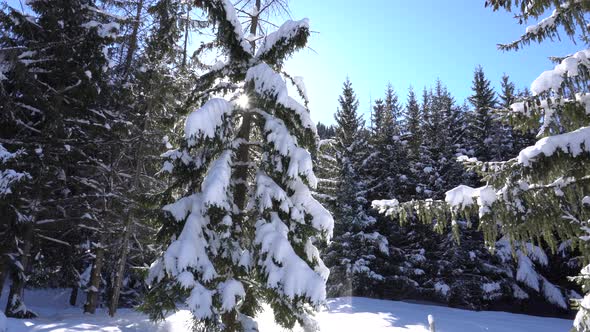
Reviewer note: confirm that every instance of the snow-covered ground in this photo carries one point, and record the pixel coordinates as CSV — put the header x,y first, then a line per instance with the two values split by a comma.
x,y
342,314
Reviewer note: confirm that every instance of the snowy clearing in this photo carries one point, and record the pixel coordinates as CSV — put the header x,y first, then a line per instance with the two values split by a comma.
x,y
342,314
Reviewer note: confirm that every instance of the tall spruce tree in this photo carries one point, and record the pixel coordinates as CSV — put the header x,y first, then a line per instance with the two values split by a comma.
x,y
412,128
483,126
513,139
443,138
106,160
387,167
356,247
242,232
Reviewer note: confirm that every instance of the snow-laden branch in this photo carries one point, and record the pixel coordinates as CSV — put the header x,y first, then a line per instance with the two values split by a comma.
x,y
203,123
554,78
284,268
574,143
548,26
288,38
269,83
300,161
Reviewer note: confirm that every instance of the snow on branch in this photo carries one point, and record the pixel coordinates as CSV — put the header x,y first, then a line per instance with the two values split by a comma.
x,y
104,30
268,192
298,205
232,18
9,177
268,82
288,38
300,161
216,183
563,15
203,123
6,155
387,207
574,143
285,270
321,218
224,13
554,78
463,196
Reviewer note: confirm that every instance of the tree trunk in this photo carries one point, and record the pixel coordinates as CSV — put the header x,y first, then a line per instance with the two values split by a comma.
x,y
3,273
133,40
15,306
74,295
94,284
116,291
186,30
243,153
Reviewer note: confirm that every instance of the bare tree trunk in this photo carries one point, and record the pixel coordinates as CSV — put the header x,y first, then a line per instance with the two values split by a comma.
x,y
95,277
15,306
74,295
135,187
117,283
3,273
186,30
133,40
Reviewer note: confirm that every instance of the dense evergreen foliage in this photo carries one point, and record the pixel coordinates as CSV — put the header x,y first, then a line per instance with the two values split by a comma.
x,y
539,195
138,171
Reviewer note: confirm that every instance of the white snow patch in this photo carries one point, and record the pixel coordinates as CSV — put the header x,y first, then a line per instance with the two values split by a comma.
x,y
341,314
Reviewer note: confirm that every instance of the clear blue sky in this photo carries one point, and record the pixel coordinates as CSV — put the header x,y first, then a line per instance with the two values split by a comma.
x,y
409,43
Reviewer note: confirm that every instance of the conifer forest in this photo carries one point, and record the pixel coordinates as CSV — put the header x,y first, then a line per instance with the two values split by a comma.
x,y
162,169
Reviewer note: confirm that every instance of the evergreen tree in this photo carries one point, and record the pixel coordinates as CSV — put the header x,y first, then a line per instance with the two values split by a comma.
x,y
508,92
326,132
327,173
244,228
413,121
355,249
443,139
387,167
89,142
483,126
10,208
512,140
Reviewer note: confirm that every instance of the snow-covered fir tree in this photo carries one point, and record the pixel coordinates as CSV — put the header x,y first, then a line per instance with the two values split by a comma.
x,y
356,249
243,227
387,166
484,129
412,125
443,137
